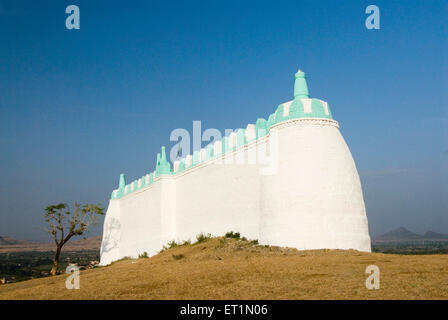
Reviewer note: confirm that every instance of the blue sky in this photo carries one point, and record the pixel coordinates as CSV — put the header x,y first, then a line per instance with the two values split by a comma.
x,y
78,107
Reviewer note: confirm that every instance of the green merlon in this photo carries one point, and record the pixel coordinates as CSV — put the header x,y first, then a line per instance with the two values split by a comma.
x,y
261,127
240,138
295,109
195,158
279,114
225,144
271,120
182,165
140,183
210,151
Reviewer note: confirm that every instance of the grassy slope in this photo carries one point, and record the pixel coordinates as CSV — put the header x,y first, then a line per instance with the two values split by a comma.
x,y
233,269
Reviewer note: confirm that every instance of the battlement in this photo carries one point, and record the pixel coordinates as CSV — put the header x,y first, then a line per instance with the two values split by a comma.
x,y
302,107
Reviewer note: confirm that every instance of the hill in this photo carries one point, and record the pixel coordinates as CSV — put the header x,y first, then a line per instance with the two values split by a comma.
x,y
7,241
8,244
399,234
403,235
224,268
435,236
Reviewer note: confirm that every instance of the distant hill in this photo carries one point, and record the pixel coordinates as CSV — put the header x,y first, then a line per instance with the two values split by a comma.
x,y
4,241
8,244
435,235
399,234
402,234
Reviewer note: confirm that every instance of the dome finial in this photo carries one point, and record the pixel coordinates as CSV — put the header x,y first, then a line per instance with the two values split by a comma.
x,y
300,86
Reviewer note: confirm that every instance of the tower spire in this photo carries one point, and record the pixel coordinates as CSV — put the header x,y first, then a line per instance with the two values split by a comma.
x,y
122,182
163,166
300,86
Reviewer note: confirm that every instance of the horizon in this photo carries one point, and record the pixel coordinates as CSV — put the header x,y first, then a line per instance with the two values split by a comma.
x,y
79,107
78,238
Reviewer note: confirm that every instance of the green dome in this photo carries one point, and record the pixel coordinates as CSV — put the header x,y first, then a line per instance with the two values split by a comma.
x,y
300,108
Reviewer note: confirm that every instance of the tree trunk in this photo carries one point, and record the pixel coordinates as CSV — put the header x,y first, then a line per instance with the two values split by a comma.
x,y
54,270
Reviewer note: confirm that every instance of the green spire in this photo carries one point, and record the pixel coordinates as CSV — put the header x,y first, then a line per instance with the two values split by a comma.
x,y
116,194
122,182
163,166
300,86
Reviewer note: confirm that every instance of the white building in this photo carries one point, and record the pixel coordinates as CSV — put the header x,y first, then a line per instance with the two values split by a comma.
x,y
287,181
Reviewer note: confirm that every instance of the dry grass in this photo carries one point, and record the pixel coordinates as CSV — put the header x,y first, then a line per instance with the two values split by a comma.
x,y
233,269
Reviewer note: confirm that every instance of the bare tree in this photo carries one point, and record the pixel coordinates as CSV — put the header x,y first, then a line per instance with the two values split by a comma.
x,y
63,225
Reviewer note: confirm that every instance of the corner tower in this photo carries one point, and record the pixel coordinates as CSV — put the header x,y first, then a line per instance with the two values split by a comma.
x,y
314,201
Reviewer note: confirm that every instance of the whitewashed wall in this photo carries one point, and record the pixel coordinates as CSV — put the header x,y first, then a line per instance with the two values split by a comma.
x,y
315,200
312,198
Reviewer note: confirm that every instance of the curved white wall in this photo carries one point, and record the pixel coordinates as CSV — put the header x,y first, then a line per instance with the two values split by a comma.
x,y
309,198
315,200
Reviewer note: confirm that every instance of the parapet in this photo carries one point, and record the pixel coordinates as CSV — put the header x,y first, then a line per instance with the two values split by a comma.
x,y
302,107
